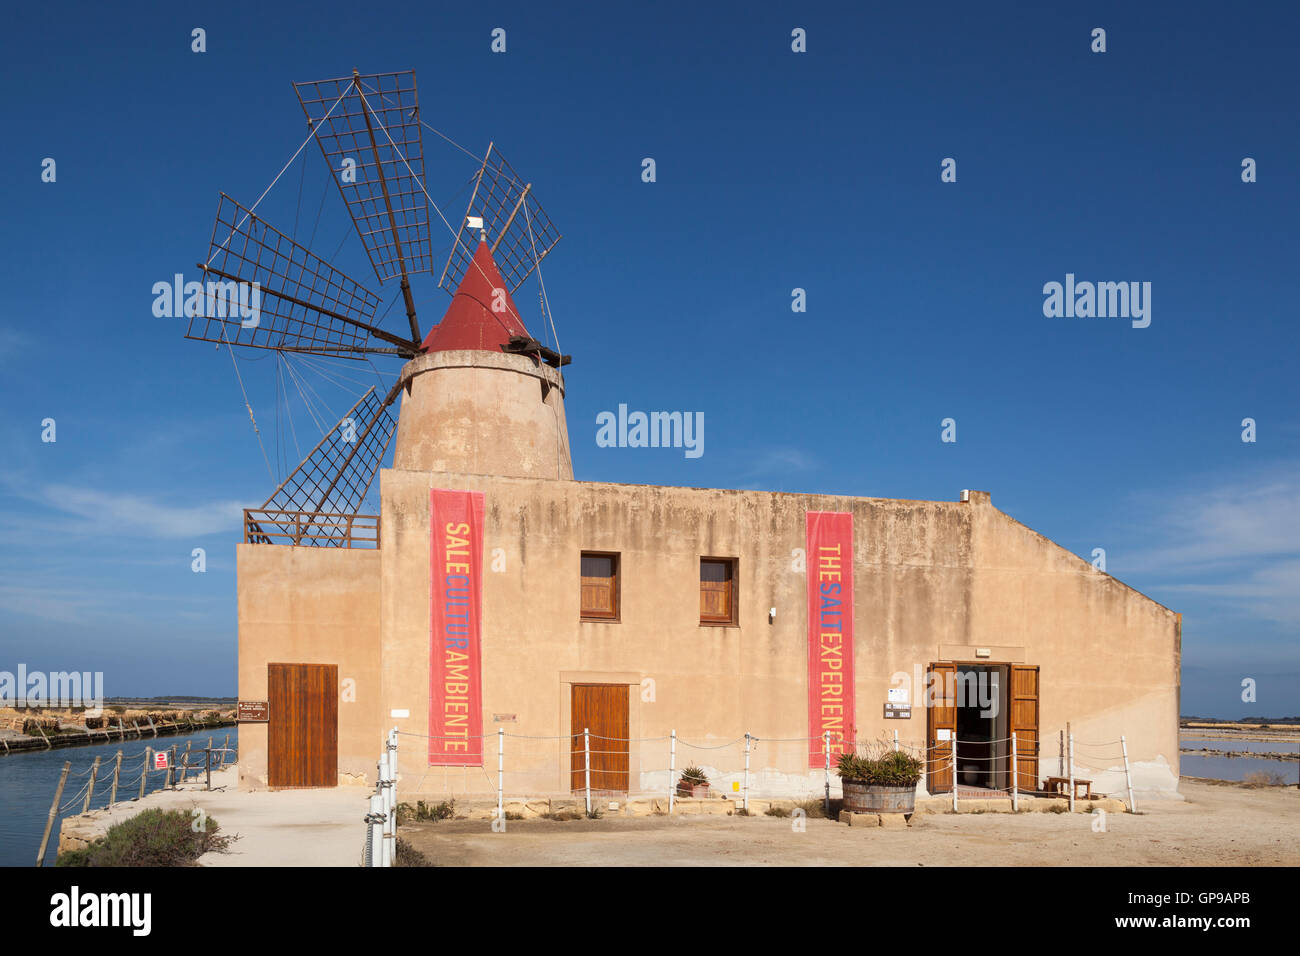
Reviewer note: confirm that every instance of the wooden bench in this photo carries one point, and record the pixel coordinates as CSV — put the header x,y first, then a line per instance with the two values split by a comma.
x,y
1059,785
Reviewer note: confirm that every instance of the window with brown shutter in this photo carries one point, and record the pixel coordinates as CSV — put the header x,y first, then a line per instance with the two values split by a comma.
x,y
717,591
599,586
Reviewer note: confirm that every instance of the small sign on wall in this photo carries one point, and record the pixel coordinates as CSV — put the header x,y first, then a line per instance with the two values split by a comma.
x,y
253,711
505,718
898,711
943,734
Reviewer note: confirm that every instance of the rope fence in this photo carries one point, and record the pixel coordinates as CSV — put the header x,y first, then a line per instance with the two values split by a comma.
x,y
520,768
117,781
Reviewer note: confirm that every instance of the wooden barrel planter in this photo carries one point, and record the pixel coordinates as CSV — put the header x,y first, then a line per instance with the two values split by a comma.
x,y
873,798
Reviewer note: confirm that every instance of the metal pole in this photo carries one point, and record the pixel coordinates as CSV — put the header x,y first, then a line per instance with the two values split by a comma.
x,y
895,741
90,787
1128,778
1015,777
208,764
826,752
171,768
392,748
954,771
1071,742
54,811
383,809
586,761
745,802
376,830
390,798
144,774
117,772
672,769
501,772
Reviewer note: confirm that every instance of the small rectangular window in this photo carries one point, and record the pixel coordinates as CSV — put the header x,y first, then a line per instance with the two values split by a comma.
x,y
717,591
599,586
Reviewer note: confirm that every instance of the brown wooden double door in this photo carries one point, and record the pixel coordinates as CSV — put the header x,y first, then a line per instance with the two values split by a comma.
x,y
303,732
941,715
601,710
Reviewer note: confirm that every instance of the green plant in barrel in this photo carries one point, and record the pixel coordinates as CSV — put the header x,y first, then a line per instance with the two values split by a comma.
x,y
882,780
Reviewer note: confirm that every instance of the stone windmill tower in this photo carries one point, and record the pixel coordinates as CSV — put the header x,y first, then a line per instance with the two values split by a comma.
x,y
482,397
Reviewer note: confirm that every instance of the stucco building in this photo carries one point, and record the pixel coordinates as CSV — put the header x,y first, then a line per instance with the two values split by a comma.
x,y
504,595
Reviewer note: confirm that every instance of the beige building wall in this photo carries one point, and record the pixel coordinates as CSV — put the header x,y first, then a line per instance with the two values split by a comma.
x,y
307,605
933,581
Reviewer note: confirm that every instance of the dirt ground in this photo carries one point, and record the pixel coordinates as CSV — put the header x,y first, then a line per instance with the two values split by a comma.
x,y
1219,824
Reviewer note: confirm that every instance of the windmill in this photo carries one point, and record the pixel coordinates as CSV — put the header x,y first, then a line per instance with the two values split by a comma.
x,y
369,131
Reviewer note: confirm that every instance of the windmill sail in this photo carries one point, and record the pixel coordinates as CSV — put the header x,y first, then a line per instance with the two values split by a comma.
x,y
298,302
518,229
368,129
318,503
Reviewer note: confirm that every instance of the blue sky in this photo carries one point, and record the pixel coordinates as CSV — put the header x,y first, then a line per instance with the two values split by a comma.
x,y
775,170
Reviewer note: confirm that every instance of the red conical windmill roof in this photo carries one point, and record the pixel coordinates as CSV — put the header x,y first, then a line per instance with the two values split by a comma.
x,y
470,322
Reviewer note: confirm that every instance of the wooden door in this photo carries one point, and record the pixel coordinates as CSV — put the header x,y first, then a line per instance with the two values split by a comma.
x,y
303,732
940,714
603,711
1023,696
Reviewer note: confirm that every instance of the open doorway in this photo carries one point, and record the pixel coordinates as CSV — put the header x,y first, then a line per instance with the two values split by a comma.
x,y
978,706
982,738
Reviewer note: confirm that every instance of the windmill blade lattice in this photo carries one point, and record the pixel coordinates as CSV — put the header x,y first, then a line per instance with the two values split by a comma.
x,y
306,305
518,227
317,503
386,198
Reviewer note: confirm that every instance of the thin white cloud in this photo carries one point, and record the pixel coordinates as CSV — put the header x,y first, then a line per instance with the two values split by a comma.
x,y
112,513
12,342
1236,538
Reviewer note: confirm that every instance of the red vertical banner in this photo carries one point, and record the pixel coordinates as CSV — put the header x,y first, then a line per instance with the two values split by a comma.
x,y
830,634
455,628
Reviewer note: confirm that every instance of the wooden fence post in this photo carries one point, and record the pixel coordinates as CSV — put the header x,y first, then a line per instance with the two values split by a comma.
x,y
117,772
54,812
144,774
90,787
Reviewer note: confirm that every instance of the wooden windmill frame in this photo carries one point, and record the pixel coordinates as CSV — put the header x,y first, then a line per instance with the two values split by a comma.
x,y
369,131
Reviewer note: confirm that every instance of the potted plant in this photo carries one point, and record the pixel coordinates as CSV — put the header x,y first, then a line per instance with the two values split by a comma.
x,y
880,782
693,783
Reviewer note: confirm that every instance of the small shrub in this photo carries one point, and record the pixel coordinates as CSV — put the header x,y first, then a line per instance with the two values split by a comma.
x,y
151,838
815,808
407,855
424,812
1263,778
1058,808
562,816
775,811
